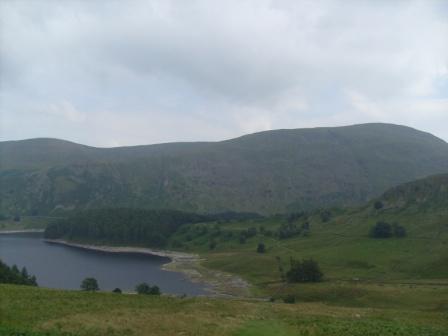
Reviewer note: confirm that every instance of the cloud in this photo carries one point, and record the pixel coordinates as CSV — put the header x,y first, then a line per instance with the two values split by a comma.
x,y
220,69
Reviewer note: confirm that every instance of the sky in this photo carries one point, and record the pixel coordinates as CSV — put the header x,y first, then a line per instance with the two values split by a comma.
x,y
112,73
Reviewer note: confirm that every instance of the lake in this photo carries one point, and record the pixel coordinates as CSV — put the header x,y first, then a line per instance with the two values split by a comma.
x,y
64,267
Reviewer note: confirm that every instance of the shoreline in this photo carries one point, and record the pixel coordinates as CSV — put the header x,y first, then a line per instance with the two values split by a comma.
x,y
173,255
22,231
216,283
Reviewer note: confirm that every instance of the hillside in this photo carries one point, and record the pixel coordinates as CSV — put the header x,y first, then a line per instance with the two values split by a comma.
x,y
391,286
339,239
267,172
50,312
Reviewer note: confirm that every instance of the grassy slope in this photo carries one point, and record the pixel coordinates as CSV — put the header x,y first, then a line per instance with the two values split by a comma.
x,y
35,311
342,245
266,172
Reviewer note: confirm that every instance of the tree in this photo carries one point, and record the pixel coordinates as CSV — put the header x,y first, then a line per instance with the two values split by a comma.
x,y
381,230
117,290
306,270
261,248
378,205
155,290
146,289
143,288
90,285
24,273
325,215
14,276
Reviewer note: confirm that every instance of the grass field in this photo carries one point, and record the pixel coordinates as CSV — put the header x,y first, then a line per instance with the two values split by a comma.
x,y
30,311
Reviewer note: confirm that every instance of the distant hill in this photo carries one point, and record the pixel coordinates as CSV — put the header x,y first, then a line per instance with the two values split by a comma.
x,y
267,172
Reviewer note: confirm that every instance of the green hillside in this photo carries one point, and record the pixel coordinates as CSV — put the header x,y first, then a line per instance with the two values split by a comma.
x,y
389,286
267,172
28,311
339,239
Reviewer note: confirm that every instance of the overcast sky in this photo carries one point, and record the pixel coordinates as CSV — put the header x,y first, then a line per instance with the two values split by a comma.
x,y
110,73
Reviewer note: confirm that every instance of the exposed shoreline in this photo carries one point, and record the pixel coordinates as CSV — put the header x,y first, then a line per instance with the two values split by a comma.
x,y
216,283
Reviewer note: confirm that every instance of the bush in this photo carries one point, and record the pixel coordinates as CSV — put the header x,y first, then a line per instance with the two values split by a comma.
x,y
378,205
325,215
90,285
288,230
381,230
386,230
306,270
117,290
146,289
261,248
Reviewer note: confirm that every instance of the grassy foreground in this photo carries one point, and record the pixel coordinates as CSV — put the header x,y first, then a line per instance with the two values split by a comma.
x,y
30,311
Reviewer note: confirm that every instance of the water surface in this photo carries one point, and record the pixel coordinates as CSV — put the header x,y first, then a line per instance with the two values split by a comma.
x,y
64,267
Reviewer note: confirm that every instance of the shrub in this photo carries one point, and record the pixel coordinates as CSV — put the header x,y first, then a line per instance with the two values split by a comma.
x,y
378,205
288,230
386,230
306,270
325,215
90,285
117,290
261,248
381,230
146,289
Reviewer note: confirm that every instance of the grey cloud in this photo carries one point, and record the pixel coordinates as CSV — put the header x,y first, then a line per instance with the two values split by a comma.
x,y
221,68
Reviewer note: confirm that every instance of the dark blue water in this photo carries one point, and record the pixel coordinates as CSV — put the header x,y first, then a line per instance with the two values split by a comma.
x,y
58,266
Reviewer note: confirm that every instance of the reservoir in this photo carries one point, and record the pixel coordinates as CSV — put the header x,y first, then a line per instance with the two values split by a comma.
x,y
64,267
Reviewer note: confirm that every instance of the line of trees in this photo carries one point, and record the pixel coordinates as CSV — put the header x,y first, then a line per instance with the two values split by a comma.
x,y
122,225
13,275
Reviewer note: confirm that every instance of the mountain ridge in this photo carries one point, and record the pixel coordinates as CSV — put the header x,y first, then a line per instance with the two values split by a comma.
x,y
266,172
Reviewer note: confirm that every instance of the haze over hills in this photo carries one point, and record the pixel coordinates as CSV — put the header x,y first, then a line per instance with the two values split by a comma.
x,y
267,172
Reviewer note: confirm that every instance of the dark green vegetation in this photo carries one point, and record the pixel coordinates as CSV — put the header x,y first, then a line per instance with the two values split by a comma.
x,y
386,230
122,226
304,271
268,172
419,311
12,275
90,285
146,289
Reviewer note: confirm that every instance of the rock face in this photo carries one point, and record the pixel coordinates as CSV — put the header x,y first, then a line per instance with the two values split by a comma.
x,y
267,172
